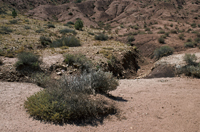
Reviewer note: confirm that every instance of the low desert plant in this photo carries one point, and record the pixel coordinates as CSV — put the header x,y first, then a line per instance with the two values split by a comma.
x,y
190,59
181,36
130,39
5,30
189,45
14,13
50,25
13,21
78,24
72,99
173,31
45,40
101,37
40,31
66,30
69,41
27,27
163,51
41,79
161,40
161,32
29,60
78,61
1,62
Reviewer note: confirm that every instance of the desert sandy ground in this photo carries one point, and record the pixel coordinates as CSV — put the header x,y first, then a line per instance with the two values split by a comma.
x,y
146,105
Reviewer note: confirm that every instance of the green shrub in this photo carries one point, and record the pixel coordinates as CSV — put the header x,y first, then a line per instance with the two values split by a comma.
x,y
78,24
51,26
66,30
45,41
147,29
69,41
197,40
70,13
29,60
27,27
130,39
70,100
161,32
193,25
101,37
78,61
40,31
189,45
161,40
163,51
190,59
173,31
181,36
41,79
5,30
14,13
13,21
72,23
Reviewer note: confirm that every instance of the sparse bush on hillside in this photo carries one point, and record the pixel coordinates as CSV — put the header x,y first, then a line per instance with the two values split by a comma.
x,y
69,41
66,30
41,79
197,40
161,32
27,27
14,13
5,30
51,26
130,39
78,61
192,68
181,36
101,37
189,45
173,31
40,31
190,59
27,59
78,24
163,51
161,40
193,25
70,100
13,21
45,41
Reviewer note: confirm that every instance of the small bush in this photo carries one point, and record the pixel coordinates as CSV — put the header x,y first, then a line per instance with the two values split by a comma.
x,y
27,59
181,36
51,26
40,31
5,30
72,23
130,39
161,40
14,13
79,61
45,41
66,30
189,45
78,24
70,101
190,59
70,41
163,51
101,37
193,25
27,27
197,40
161,32
13,21
173,31
41,79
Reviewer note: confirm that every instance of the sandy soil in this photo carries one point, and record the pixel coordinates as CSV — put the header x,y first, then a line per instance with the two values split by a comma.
x,y
165,104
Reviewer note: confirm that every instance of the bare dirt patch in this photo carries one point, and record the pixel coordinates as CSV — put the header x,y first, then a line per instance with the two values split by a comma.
x,y
165,104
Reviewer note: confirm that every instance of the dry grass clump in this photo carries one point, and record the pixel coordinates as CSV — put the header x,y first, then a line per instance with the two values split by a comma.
x,y
5,30
101,37
72,99
66,30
